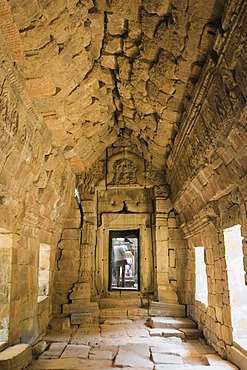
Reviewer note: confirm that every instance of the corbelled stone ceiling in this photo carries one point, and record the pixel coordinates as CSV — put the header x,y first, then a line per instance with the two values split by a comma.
x,y
105,68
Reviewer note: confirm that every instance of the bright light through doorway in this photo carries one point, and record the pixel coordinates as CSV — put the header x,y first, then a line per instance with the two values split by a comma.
x,y
237,287
201,276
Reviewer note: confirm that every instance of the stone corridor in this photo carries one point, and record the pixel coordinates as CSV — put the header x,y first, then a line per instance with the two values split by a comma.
x,y
144,343
123,126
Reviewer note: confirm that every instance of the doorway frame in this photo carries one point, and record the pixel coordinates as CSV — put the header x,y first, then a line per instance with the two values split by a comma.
x,y
123,221
123,234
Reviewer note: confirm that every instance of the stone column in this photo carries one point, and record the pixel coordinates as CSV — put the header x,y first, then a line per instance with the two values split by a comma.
x,y
167,299
82,309
165,290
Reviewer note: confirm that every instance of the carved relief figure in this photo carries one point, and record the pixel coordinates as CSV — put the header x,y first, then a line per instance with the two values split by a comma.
x,y
8,111
124,172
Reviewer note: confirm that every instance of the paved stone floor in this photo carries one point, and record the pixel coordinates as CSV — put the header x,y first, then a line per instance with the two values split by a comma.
x,y
125,344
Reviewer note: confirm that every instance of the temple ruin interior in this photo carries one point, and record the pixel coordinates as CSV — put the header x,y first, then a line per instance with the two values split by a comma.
x,y
123,187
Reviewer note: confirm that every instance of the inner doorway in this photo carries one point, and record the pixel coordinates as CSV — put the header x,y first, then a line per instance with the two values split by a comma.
x,y
124,269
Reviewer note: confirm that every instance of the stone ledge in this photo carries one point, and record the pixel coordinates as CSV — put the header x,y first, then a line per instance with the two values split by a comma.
x,y
238,356
3,345
16,357
167,309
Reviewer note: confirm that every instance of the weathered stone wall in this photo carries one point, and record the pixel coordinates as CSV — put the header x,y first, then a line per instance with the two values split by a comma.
x,y
207,173
36,186
68,255
122,191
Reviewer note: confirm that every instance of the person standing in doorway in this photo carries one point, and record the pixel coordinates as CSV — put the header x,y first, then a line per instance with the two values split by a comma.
x,y
119,261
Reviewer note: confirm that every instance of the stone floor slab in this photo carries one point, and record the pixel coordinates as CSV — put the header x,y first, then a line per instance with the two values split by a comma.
x,y
100,354
134,356
94,364
59,336
172,349
160,358
125,346
61,364
54,351
217,361
74,350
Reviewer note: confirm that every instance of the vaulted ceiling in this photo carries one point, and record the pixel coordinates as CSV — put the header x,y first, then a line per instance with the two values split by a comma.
x,y
104,68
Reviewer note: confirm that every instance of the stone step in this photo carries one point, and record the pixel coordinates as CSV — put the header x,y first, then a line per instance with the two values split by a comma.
x,y
167,309
114,313
83,306
59,323
170,322
119,303
81,318
123,313
191,333
134,356
166,332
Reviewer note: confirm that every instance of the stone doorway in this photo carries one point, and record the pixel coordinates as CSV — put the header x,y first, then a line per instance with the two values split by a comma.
x,y
124,267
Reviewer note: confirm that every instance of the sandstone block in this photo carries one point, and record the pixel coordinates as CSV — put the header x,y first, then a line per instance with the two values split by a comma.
x,y
16,357
70,234
38,348
114,46
160,358
55,350
116,25
108,61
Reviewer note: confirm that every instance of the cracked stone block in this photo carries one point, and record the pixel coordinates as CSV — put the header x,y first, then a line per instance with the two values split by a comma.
x,y
54,350
134,355
73,350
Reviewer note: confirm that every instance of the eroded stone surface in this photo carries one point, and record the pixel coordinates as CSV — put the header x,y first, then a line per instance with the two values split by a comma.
x,y
85,80
73,350
133,352
146,102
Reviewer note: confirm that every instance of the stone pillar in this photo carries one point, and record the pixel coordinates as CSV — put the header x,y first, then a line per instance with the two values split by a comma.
x,y
82,309
167,299
165,290
68,259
